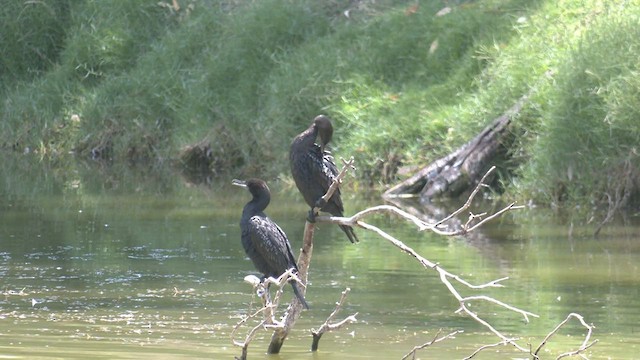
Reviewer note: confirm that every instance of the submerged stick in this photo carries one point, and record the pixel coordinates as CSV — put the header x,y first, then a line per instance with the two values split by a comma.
x,y
326,326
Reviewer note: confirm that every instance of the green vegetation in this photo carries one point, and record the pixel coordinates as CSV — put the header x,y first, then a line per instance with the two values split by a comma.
x,y
138,81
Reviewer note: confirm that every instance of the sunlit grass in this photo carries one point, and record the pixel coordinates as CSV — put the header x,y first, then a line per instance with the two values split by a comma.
x,y
137,82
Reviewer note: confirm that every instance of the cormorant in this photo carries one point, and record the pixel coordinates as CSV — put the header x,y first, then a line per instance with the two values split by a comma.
x,y
263,240
314,170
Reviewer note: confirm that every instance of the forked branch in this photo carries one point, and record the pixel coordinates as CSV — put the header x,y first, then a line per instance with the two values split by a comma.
x,y
586,343
266,312
437,338
475,221
326,326
281,328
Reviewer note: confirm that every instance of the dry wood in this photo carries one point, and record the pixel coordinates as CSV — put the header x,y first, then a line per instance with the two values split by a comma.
x,y
327,326
281,328
462,169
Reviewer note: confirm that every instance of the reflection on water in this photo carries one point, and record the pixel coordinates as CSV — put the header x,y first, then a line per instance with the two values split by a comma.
x,y
125,265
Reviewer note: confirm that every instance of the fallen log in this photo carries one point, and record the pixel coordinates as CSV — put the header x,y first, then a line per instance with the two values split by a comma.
x,y
462,169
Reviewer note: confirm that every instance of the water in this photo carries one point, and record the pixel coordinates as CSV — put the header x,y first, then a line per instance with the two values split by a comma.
x,y
113,264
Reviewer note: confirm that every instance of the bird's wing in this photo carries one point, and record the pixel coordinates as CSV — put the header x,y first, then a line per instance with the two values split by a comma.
x,y
331,171
291,258
271,245
325,169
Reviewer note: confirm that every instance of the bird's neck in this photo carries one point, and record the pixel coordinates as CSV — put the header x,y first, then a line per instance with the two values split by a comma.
x,y
256,206
308,137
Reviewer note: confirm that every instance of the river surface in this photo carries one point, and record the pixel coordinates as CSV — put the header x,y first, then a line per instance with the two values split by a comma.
x,y
107,263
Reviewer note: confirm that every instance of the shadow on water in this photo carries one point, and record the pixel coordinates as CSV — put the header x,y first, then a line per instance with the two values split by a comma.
x,y
116,263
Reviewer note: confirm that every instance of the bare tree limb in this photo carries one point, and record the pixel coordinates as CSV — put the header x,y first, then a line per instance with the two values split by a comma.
x,y
268,309
281,328
435,339
484,347
445,276
585,344
472,196
295,308
326,326
348,164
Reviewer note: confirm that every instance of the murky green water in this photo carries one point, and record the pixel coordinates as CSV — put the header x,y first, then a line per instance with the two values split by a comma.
x,y
149,265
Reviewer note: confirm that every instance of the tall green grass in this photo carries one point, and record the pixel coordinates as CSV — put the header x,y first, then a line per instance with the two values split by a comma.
x,y
588,137
32,37
138,81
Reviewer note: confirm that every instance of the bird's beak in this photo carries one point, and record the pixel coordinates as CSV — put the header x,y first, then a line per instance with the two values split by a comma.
x,y
240,183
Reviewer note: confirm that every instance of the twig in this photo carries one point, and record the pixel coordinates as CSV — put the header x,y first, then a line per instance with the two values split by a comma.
x,y
295,307
348,164
484,347
268,309
435,339
445,276
326,326
585,344
472,196
355,219
294,310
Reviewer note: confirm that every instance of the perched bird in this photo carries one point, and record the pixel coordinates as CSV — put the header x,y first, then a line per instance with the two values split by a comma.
x,y
263,240
314,170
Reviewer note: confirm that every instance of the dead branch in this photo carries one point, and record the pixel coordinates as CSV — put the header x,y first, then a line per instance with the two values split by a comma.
x,y
268,309
435,339
295,307
326,326
445,276
484,347
436,227
281,328
585,343
348,164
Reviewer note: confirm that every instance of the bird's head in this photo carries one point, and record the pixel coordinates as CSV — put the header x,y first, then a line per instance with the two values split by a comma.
x,y
325,129
256,187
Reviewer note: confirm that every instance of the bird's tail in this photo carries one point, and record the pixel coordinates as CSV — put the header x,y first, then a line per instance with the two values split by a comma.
x,y
296,291
350,233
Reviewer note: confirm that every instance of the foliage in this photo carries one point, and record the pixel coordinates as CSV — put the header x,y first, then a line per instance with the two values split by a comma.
x,y
32,37
585,149
405,83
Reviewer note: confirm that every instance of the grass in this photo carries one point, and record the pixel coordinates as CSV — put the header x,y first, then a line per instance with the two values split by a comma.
x,y
137,81
587,148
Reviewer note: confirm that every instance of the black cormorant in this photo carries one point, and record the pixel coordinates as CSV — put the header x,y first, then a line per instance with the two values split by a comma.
x,y
263,240
314,170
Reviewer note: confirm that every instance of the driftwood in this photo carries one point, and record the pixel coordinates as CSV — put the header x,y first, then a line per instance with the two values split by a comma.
x,y
461,170
266,318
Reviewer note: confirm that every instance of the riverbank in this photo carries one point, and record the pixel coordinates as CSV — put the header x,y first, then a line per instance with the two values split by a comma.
x,y
132,83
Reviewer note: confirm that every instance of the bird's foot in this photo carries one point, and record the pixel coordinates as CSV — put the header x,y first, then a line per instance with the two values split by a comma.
x,y
311,216
320,203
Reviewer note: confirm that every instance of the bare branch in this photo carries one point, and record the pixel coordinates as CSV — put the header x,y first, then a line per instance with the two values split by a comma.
x,y
294,310
484,347
435,339
585,344
348,164
283,326
268,309
422,226
472,196
445,276
524,313
509,207
326,326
